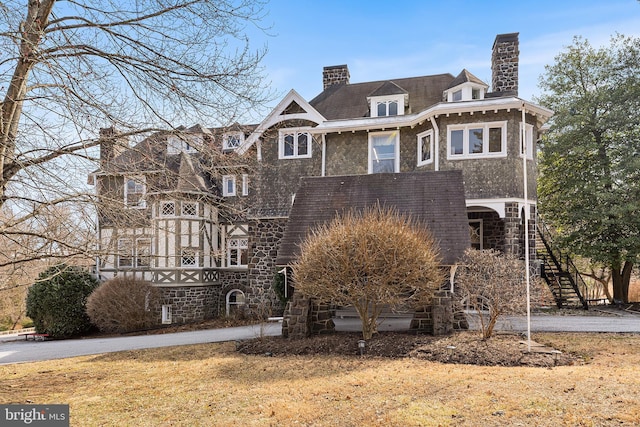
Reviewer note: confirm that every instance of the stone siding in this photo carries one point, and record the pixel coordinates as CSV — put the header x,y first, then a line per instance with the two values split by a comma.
x,y
191,303
264,237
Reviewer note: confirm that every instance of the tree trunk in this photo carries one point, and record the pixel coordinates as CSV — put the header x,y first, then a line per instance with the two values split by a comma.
x,y
621,278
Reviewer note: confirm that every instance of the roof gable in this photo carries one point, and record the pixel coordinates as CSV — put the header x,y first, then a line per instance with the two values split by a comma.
x,y
435,199
466,77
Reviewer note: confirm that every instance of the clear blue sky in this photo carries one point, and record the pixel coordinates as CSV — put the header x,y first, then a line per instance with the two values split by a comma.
x,y
393,39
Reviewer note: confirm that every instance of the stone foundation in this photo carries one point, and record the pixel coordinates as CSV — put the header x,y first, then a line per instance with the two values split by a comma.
x,y
190,303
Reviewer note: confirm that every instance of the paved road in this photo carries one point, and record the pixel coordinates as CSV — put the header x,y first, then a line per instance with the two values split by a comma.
x,y
18,351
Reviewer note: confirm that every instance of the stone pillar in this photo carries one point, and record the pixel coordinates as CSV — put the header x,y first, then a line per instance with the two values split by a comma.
x,y
442,313
512,229
296,322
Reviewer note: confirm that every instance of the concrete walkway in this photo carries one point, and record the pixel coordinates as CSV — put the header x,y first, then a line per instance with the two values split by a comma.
x,y
18,350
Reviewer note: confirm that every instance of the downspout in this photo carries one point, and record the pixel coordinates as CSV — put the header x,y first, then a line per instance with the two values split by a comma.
x,y
324,155
436,144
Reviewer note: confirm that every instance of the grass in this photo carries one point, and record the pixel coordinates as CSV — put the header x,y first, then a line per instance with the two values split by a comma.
x,y
212,385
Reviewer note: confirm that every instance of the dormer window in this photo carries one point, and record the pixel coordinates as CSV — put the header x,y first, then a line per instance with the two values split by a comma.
x,y
135,188
231,141
465,92
185,144
385,106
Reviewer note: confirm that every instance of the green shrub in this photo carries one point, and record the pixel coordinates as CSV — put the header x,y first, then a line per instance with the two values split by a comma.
x,y
56,302
123,304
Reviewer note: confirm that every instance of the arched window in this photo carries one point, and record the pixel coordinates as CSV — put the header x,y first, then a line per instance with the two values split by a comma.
x,y
235,301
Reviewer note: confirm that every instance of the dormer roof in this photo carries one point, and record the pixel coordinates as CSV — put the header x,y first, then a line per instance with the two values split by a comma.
x,y
466,77
388,88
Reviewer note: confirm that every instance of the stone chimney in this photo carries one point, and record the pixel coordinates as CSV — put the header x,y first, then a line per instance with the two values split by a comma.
x,y
111,145
504,64
335,75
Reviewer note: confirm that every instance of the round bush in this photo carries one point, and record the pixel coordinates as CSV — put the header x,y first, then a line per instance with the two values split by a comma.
x,y
56,302
123,304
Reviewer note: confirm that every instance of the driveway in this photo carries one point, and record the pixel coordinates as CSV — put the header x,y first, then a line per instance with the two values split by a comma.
x,y
18,351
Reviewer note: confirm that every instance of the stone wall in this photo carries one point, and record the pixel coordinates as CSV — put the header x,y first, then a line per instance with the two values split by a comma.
x,y
264,238
191,303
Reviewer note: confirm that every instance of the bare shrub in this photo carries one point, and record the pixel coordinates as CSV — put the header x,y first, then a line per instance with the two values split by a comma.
x,y
492,284
123,304
368,260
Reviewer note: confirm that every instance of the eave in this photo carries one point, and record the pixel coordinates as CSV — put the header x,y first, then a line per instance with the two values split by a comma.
x,y
435,111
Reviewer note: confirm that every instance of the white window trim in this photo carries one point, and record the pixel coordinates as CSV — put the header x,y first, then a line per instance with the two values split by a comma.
x,y
196,259
466,92
485,137
238,250
225,181
245,184
295,132
420,136
166,315
164,203
186,144
396,163
182,205
122,242
225,139
375,100
139,179
136,260
529,137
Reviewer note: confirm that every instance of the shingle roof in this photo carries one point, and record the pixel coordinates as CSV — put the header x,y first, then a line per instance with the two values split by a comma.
x,y
435,199
464,77
349,101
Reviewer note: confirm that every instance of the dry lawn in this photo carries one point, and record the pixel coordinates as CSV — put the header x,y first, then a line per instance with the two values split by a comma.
x,y
213,385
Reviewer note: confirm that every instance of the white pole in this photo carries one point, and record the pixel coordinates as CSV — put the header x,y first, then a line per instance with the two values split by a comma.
x,y
526,225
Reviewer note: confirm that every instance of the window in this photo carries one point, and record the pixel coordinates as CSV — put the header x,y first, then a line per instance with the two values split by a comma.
x,y
228,185
294,144
143,252
457,95
425,147
125,253
384,155
245,185
185,143
166,315
189,209
237,252
528,129
475,233
188,258
475,93
134,191
231,141
235,301
167,208
384,106
477,140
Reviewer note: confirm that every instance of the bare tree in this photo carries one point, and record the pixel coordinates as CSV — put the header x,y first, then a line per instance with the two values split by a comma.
x,y
369,260
492,284
71,68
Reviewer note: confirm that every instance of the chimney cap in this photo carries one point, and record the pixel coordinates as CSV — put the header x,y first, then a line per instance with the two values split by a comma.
x,y
508,37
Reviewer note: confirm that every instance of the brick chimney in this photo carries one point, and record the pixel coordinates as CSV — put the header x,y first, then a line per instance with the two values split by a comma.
x,y
334,75
504,64
111,145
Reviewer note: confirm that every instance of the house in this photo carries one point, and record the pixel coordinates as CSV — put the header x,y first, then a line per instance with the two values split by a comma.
x,y
201,211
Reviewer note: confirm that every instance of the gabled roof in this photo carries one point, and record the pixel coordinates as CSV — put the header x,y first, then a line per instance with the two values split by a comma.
x,y
349,101
466,77
388,88
435,199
